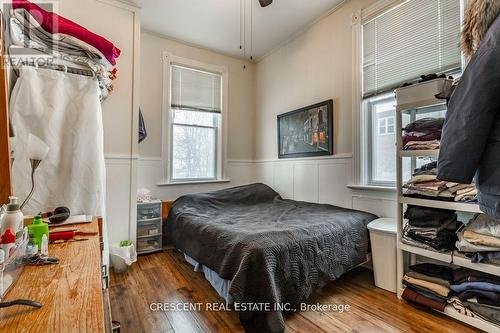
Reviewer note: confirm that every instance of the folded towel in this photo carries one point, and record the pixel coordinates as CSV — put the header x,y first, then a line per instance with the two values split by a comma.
x,y
420,276
487,286
481,296
463,245
429,269
484,225
431,286
475,238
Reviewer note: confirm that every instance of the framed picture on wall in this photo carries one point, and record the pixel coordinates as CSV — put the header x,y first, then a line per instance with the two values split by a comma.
x,y
307,131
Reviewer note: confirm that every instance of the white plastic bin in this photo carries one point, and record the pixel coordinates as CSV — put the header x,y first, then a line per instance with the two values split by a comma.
x,y
122,257
383,237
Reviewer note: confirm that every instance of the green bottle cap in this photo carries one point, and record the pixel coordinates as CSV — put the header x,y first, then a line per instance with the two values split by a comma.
x,y
38,220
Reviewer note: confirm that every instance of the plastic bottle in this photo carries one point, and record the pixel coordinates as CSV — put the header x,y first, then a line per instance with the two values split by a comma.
x,y
45,246
8,242
37,230
13,217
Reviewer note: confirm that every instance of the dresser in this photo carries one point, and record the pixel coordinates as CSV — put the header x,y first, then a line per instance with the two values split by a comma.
x,y
73,293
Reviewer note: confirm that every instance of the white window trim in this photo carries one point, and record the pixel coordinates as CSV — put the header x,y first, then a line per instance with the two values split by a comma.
x,y
166,151
358,137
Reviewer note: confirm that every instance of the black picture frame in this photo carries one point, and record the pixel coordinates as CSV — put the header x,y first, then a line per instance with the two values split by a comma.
x,y
305,132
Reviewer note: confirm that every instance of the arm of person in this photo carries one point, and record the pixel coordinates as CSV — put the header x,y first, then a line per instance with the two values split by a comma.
x,y
472,111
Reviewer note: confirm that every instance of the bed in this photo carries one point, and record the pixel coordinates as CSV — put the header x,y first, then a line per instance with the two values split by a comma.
x,y
261,249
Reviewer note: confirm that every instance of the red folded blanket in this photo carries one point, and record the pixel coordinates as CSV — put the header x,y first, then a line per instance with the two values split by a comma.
x,y
426,137
56,24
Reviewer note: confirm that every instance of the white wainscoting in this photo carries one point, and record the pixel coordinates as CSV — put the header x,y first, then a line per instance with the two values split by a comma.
x,y
149,175
321,180
120,201
382,207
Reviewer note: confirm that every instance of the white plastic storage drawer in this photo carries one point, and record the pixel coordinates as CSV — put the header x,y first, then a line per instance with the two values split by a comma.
x,y
424,91
149,228
148,244
148,211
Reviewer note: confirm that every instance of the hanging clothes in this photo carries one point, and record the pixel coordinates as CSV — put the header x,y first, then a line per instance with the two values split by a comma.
x,y
64,111
470,143
143,133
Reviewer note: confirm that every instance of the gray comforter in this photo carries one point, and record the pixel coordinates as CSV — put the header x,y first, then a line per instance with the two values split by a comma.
x,y
271,249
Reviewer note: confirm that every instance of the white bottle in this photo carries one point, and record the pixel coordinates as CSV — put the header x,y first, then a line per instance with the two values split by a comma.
x,y
45,246
12,218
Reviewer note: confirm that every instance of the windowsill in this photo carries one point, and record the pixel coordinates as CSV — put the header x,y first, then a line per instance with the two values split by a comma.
x,y
372,188
194,182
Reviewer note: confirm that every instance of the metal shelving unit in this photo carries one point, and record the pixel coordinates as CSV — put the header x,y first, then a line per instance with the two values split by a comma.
x,y
407,254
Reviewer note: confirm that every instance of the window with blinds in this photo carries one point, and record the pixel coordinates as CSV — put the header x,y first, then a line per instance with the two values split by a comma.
x,y
196,105
414,38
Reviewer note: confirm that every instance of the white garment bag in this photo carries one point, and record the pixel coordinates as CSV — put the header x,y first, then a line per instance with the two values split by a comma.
x,y
63,110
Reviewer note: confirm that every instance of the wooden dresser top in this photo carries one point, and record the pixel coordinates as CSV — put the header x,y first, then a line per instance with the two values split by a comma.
x,y
71,291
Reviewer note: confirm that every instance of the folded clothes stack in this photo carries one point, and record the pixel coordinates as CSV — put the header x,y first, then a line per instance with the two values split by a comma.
x,y
67,42
477,292
430,228
469,292
424,184
423,134
428,285
480,239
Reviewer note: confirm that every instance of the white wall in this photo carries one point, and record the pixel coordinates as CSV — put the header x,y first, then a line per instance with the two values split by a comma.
x,y
240,115
315,66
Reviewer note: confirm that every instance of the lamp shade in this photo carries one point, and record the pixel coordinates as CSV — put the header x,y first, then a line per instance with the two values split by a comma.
x,y
37,149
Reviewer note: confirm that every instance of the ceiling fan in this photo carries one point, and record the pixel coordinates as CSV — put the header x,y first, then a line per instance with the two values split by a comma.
x,y
265,3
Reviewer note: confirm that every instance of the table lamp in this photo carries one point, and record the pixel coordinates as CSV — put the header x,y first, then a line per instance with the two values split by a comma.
x,y
37,150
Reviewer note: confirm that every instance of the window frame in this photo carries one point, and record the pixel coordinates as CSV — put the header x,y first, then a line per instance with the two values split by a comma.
x,y
359,133
168,122
367,122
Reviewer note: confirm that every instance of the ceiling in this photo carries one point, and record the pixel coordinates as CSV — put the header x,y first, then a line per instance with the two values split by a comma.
x,y
215,24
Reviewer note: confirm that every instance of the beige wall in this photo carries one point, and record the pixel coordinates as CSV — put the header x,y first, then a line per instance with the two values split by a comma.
x,y
241,115
315,66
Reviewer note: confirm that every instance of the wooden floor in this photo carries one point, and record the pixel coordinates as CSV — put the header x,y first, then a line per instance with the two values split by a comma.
x,y
166,277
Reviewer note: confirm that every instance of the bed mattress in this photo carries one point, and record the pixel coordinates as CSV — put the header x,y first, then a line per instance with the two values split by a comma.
x,y
272,250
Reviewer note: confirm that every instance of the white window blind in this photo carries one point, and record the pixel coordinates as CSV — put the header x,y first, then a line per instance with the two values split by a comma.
x,y
414,38
195,90
196,99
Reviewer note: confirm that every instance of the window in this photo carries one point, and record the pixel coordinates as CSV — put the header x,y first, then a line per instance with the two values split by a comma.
x,y
410,39
195,122
385,124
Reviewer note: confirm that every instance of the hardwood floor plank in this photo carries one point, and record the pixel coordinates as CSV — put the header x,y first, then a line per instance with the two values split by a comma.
x,y
167,278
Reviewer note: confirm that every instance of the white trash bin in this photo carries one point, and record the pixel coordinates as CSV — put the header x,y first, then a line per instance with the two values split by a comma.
x,y
122,257
383,238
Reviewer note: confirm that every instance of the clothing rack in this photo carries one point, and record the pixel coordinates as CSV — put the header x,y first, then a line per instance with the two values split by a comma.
x,y
59,67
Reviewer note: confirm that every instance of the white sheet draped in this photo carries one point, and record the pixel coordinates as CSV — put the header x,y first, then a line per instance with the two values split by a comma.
x,y
63,110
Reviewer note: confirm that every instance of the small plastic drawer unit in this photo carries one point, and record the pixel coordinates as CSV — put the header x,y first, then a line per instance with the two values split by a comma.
x,y
149,227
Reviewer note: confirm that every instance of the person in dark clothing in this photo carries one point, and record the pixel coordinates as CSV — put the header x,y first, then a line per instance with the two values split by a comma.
x,y
470,143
